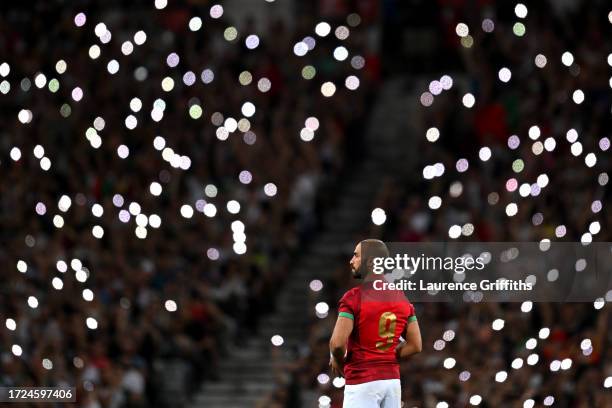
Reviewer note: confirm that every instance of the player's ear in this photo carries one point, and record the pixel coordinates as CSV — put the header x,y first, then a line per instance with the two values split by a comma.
x,y
368,266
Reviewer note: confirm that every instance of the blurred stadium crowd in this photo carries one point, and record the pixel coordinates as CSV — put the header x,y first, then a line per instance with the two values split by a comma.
x,y
221,296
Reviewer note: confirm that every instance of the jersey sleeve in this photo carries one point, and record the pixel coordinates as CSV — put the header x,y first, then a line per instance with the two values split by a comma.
x,y
411,314
346,306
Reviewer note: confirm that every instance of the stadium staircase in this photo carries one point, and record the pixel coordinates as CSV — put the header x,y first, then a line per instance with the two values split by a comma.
x,y
252,370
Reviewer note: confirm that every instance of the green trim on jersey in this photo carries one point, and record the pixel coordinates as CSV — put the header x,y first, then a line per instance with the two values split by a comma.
x,y
347,315
412,319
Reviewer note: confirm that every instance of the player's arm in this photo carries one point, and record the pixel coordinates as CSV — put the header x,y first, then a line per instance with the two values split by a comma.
x,y
413,343
338,342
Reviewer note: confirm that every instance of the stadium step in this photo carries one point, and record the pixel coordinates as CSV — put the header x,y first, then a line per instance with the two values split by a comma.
x,y
245,399
222,389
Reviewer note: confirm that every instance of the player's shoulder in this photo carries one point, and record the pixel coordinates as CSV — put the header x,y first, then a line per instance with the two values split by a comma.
x,y
352,293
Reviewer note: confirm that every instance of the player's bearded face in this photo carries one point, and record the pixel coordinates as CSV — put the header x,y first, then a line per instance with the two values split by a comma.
x,y
356,263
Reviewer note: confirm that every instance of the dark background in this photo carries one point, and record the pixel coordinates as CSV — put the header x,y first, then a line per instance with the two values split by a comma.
x,y
368,152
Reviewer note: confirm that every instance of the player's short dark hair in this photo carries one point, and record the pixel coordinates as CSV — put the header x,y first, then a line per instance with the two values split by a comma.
x,y
373,248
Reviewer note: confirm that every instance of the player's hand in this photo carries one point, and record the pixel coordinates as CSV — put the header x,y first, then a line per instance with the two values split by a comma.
x,y
337,367
398,350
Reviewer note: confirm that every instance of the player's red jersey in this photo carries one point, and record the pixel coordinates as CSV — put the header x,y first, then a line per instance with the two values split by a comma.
x,y
379,320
